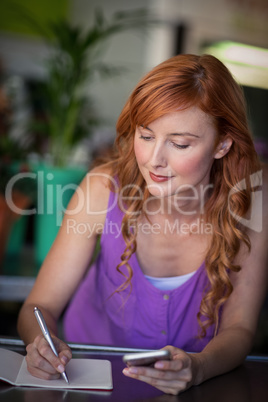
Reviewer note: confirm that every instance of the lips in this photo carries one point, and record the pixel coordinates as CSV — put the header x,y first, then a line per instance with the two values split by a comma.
x,y
158,178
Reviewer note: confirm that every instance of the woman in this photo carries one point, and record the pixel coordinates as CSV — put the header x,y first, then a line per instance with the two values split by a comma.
x,y
182,260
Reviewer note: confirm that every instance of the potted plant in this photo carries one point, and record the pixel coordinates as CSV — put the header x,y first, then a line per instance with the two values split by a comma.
x,y
68,115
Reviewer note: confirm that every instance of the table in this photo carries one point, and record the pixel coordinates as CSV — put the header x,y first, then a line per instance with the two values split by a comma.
x,y
247,383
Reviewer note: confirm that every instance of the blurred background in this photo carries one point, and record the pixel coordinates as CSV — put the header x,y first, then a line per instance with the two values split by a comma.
x,y
67,68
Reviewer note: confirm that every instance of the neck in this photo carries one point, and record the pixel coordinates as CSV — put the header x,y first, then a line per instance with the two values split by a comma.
x,y
187,205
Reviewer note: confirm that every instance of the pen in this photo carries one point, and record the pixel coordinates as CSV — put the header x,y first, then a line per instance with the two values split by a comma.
x,y
45,331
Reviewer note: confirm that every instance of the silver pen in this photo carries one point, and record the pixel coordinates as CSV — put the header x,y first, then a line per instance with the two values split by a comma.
x,y
46,333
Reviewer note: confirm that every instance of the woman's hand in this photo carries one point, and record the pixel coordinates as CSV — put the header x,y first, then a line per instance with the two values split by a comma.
x,y
170,376
42,362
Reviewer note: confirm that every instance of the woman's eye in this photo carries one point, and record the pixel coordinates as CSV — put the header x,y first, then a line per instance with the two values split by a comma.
x,y
145,137
180,146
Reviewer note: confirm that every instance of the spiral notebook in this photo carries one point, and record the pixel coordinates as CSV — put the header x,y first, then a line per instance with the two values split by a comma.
x,y
90,374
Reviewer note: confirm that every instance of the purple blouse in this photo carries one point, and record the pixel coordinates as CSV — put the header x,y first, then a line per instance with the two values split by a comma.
x,y
144,317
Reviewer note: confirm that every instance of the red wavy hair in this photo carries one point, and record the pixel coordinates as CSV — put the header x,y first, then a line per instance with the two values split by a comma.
x,y
181,82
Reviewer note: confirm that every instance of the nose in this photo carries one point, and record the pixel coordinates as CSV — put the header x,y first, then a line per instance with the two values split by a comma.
x,y
158,157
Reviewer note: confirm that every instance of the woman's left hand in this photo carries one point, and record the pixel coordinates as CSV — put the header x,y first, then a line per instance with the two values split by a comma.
x,y
170,376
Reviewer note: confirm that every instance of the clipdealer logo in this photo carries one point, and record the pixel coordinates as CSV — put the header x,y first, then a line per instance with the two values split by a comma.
x,y
255,220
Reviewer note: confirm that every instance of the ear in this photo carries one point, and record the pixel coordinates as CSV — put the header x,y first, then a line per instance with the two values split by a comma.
x,y
223,148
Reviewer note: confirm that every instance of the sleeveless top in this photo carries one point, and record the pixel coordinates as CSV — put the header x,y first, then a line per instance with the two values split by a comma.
x,y
141,316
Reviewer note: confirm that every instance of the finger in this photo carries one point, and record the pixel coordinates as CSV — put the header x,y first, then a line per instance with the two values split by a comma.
x,y
44,375
173,350
172,365
180,362
137,372
65,353
35,360
176,366
64,358
176,370
48,358
184,375
168,386
37,363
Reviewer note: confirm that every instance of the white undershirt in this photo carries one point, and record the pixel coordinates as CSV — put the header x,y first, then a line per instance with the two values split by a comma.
x,y
169,283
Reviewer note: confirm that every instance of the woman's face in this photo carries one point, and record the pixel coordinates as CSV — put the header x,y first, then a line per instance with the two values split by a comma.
x,y
175,152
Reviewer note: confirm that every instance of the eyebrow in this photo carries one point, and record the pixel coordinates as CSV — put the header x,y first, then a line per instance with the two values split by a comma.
x,y
184,134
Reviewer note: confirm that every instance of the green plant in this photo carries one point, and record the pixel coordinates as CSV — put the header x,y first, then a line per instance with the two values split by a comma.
x,y
69,115
13,151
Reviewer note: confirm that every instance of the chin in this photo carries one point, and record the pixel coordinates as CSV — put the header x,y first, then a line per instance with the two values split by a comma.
x,y
159,191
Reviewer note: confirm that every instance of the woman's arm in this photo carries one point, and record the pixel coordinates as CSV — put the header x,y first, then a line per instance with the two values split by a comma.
x,y
63,270
241,311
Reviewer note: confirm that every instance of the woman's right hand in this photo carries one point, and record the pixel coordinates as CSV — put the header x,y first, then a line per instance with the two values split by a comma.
x,y
42,362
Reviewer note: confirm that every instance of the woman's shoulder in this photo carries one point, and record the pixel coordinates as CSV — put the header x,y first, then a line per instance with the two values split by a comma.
x,y
92,195
100,178
97,185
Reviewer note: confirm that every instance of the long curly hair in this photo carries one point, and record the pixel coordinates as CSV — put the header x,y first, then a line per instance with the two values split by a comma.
x,y
181,82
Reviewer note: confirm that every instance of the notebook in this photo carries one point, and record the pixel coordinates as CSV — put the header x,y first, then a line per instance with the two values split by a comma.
x,y
93,374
